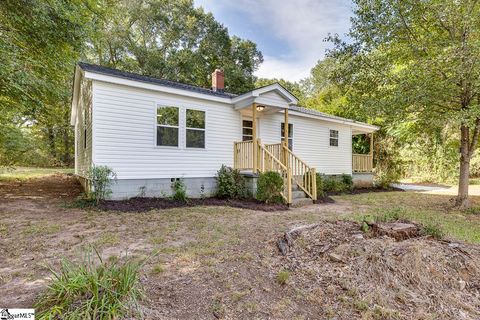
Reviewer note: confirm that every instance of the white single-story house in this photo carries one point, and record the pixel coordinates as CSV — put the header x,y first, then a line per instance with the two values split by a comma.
x,y
152,131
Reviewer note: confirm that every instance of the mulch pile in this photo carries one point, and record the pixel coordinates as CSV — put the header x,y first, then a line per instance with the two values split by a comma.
x,y
147,204
379,277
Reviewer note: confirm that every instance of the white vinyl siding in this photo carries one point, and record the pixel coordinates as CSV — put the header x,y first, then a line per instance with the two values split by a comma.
x,y
125,134
311,141
83,130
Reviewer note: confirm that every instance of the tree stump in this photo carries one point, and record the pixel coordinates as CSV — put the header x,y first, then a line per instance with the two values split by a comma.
x,y
397,230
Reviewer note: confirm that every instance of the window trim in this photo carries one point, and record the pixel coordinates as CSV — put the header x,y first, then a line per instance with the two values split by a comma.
x,y
292,132
242,127
196,129
330,138
156,125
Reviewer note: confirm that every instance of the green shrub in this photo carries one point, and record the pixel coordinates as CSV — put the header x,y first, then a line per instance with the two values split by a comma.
x,y
337,185
270,187
100,179
320,186
91,290
179,190
347,181
230,184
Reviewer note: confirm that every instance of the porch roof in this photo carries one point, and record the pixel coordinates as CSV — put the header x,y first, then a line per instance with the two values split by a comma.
x,y
273,95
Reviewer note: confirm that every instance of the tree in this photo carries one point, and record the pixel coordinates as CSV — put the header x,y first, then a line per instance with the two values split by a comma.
x,y
39,44
173,40
417,61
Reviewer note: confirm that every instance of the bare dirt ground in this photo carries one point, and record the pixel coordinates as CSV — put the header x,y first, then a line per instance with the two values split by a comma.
x,y
223,262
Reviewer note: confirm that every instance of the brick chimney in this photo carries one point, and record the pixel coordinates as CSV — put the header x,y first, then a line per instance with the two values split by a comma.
x,y
218,80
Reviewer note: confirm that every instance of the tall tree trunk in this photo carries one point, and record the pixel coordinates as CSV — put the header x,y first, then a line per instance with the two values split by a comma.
x,y
467,149
462,198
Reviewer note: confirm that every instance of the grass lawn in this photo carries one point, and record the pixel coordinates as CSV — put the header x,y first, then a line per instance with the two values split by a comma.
x,y
205,262
23,173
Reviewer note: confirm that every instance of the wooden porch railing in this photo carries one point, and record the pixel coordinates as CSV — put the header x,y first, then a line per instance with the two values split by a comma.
x,y
362,162
304,175
243,155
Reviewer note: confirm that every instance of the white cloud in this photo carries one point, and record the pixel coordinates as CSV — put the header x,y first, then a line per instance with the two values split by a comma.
x,y
302,25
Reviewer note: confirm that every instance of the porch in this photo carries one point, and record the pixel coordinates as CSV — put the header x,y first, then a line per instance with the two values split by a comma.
x,y
270,107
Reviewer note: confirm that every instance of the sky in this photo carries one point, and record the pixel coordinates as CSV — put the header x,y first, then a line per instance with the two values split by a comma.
x,y
290,33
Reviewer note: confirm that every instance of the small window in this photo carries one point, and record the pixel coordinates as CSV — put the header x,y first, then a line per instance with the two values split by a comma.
x,y
167,126
290,134
247,130
334,138
195,129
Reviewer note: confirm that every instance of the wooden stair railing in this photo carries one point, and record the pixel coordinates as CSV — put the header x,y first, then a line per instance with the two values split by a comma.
x,y
304,175
268,162
278,158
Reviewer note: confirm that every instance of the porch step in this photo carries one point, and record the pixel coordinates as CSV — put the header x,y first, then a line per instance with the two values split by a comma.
x,y
298,194
300,202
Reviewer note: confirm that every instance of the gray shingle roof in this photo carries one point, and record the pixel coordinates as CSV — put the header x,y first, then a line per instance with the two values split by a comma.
x,y
192,88
326,115
147,79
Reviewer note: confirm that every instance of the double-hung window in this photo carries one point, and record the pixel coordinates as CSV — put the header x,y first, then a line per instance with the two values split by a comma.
x,y
195,129
290,134
247,130
334,138
167,126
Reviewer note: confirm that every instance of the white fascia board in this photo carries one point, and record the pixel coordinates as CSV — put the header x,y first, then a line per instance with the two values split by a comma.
x,y
154,87
76,92
281,90
290,99
367,128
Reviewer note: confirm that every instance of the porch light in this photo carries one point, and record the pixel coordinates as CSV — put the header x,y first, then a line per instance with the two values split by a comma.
x,y
260,108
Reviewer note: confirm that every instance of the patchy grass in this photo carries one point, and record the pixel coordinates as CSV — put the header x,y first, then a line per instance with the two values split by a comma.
x,y
429,210
41,229
283,276
24,173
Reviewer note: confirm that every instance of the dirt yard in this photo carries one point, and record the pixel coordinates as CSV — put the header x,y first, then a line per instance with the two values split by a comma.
x,y
223,262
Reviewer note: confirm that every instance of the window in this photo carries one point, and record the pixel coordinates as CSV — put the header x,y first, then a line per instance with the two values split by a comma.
x,y
195,127
334,138
290,134
247,130
167,126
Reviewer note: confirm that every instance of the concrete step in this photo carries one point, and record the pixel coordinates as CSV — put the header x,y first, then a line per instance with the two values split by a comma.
x,y
300,202
295,187
298,194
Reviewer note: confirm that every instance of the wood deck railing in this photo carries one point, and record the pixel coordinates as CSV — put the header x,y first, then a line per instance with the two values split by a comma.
x,y
304,175
243,155
362,163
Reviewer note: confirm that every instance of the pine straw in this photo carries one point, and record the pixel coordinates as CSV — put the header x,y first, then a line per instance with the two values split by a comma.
x,y
380,278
